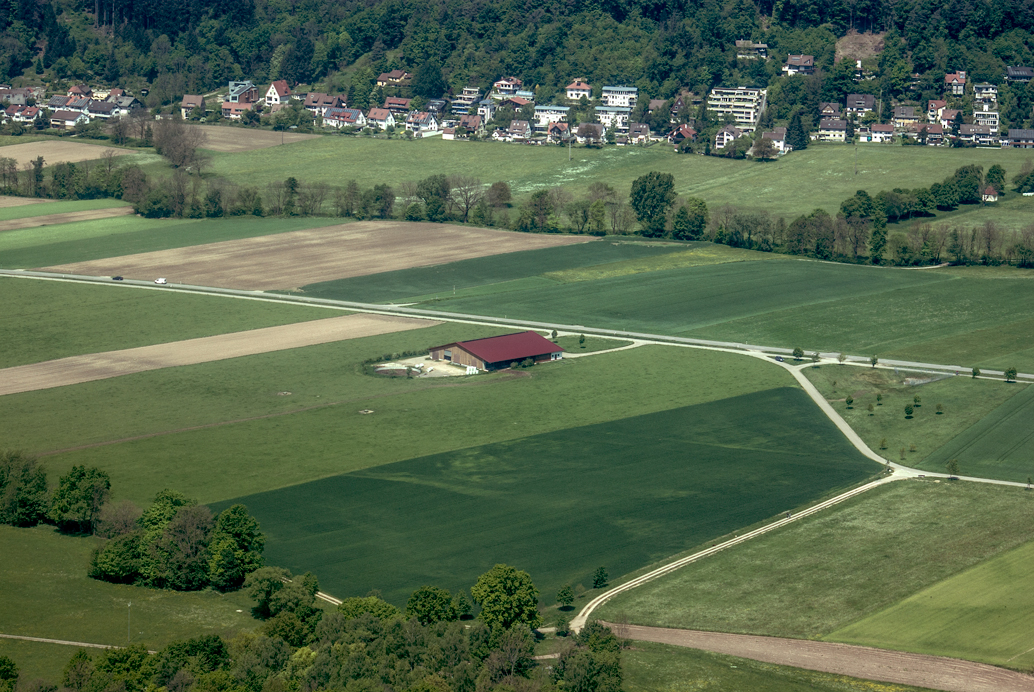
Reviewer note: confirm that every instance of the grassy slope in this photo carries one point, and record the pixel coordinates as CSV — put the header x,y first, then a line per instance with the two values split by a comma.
x,y
561,503
827,571
650,667
89,240
47,594
30,210
1001,445
983,613
411,416
591,344
43,320
828,170
966,403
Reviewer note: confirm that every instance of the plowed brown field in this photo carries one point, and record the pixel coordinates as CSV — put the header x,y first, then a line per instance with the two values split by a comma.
x,y
56,152
290,260
68,217
234,139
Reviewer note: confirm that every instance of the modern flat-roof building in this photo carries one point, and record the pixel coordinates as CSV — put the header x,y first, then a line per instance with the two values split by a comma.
x,y
744,104
619,96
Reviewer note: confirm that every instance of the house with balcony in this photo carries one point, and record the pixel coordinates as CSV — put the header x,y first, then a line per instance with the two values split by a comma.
x,y
831,130
986,116
578,89
619,96
744,104
547,115
955,83
748,50
985,93
727,135
613,117
799,64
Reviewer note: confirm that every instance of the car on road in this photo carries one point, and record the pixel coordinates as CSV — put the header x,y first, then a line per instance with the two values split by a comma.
x,y
779,359
116,278
161,281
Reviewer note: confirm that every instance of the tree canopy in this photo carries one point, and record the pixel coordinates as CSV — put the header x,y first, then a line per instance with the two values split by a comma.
x,y
507,596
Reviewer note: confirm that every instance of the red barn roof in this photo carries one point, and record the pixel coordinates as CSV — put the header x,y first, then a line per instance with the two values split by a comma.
x,y
508,347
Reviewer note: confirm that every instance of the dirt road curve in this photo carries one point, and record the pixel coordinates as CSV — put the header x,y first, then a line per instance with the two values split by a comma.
x,y
69,217
100,366
934,672
291,260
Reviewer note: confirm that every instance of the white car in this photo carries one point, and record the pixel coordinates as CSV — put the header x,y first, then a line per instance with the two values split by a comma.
x,y
161,281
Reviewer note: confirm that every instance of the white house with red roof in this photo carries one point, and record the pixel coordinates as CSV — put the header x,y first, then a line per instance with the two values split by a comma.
x,y
934,108
955,83
278,94
498,352
344,117
507,86
380,118
577,89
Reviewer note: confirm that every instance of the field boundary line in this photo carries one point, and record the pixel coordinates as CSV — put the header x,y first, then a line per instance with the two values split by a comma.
x,y
63,642
579,620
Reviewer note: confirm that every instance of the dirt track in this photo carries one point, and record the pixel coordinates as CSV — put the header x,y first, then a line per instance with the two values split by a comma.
x,y
56,152
934,672
6,201
100,366
291,260
69,217
236,139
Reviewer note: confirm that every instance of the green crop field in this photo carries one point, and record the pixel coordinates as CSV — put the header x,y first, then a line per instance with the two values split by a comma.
x,y
650,667
832,569
29,210
1001,445
220,430
47,593
591,344
982,614
622,494
127,235
43,320
828,170
966,403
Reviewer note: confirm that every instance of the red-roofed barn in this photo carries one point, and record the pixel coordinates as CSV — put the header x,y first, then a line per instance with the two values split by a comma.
x,y
497,352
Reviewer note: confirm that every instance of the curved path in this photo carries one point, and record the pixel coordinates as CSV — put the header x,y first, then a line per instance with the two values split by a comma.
x,y
920,670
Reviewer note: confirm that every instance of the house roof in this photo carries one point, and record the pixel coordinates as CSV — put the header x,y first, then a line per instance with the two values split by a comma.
x,y
281,88
519,126
192,101
684,131
1016,133
396,101
936,105
638,129
508,347
378,114
393,76
348,115
800,60
860,101
889,129
835,107
989,190
517,101
949,114
975,130
1020,71
832,124
471,122
622,89
66,115
732,130
655,104
80,90
557,127
955,78
101,107
420,117
58,101
579,84
777,134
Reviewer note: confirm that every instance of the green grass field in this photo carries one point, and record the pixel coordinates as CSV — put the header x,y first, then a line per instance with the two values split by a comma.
x,y
560,504
1000,445
830,570
591,344
967,404
982,614
650,667
320,431
128,235
43,320
29,210
47,593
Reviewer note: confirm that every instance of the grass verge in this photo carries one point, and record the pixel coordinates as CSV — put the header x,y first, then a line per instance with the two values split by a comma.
x,y
45,208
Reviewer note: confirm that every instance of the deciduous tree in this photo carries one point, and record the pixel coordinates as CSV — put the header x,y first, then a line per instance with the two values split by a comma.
x,y
78,499
651,197
507,596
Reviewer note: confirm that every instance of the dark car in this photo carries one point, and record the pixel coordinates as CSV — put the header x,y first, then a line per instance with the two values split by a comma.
x,y
116,278
779,358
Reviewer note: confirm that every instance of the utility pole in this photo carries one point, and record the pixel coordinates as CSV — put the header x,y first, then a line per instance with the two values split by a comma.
x,y
129,623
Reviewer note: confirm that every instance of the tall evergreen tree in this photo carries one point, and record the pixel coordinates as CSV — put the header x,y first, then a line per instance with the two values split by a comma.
x,y
796,137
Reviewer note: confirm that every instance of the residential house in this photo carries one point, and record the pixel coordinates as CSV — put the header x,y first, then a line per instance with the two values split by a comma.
x,y
654,104
557,133
577,89
380,119
778,138
514,102
277,95
860,104
473,123
948,116
507,86
81,90
393,78
467,98
686,99
638,133
613,117
66,120
487,109
1019,75
124,105
799,64
236,111
525,94
955,83
931,133
449,133
437,107
57,103
344,117
242,92
829,110
988,117
318,103
619,96
79,104
987,93
979,135
22,114
934,108
190,103
422,122
397,105
1019,139
519,130
681,134
589,133
831,130
878,134
729,133
990,194
904,116
547,115
744,104
114,94
748,50
100,109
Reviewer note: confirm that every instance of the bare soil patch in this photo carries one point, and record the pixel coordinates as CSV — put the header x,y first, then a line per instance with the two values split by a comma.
x,y
919,670
6,201
100,366
859,46
68,217
290,260
56,152
236,139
